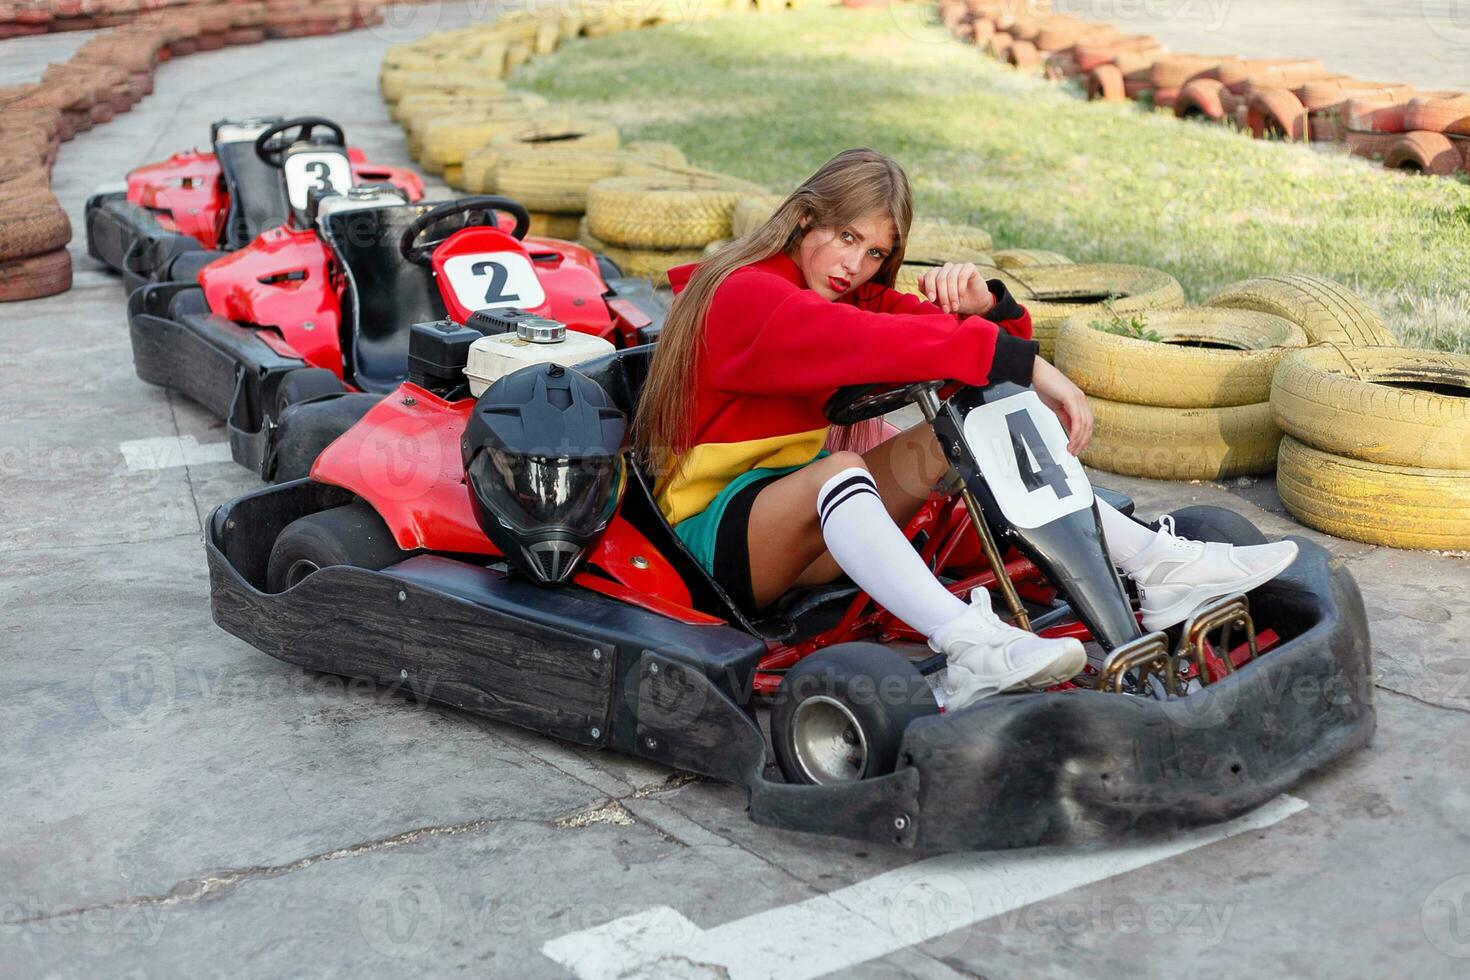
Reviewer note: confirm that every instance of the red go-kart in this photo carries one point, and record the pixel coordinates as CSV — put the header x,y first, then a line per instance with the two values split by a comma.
x,y
203,204
381,566
315,317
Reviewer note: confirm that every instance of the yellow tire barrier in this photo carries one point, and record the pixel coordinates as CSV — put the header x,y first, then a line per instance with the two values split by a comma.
x,y
1390,405
1326,310
677,210
1206,358
1397,506
651,264
1182,443
1053,293
1021,258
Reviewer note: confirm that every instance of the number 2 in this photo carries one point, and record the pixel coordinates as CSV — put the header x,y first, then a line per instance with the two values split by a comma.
x,y
498,274
1046,473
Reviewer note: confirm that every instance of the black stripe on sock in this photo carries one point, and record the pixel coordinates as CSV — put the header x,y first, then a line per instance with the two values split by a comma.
x,y
831,495
854,492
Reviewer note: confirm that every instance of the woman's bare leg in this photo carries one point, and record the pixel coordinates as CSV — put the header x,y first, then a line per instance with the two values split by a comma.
x,y
784,536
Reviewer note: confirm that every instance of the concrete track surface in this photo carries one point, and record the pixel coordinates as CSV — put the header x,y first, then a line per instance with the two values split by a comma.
x,y
174,803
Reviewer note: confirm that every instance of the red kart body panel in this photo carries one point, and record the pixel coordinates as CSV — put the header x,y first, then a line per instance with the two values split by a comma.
x,y
403,458
186,192
283,279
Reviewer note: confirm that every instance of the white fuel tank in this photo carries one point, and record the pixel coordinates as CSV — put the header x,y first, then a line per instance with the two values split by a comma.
x,y
535,341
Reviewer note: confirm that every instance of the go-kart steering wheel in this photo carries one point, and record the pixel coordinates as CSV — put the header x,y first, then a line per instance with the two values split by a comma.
x,y
421,253
858,403
271,145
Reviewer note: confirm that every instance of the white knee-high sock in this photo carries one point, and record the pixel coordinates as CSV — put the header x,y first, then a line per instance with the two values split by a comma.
x,y
1125,537
871,549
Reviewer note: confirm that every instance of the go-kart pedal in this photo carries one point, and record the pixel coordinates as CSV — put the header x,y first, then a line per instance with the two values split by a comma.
x,y
989,656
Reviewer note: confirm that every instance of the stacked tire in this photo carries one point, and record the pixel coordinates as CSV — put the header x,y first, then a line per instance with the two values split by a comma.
x,y
1054,293
1190,402
1186,394
649,224
1377,445
549,167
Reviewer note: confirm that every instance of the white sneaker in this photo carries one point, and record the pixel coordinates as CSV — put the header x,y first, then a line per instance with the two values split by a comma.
x,y
989,656
1175,576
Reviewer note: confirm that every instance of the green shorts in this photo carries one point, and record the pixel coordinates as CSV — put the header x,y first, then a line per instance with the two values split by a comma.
x,y
700,532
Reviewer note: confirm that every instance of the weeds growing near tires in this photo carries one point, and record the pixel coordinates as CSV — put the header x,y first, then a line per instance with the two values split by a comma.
x,y
770,98
1135,326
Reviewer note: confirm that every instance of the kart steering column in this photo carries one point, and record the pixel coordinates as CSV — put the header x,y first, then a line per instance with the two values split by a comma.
x,y
928,403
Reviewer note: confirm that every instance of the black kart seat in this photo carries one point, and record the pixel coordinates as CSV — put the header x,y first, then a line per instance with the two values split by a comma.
x,y
385,295
622,375
257,195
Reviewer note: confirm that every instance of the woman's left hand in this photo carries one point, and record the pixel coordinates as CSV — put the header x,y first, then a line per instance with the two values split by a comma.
x,y
1060,395
957,287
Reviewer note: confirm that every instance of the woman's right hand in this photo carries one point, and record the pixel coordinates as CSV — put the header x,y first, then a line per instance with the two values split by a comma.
x,y
1060,395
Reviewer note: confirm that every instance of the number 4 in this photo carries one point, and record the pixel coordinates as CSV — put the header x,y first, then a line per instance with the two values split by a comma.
x,y
1028,444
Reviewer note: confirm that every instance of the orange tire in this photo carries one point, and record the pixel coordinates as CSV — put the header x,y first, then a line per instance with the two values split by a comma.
x,y
1369,145
1438,116
1201,98
1105,84
1024,56
1425,153
1276,112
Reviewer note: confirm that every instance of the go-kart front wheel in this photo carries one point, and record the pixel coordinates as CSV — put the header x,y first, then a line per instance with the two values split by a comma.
x,y
353,534
840,714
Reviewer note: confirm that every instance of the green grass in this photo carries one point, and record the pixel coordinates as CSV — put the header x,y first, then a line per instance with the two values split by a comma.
x,y
769,98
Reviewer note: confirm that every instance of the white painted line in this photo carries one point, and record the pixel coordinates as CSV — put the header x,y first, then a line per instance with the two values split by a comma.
x,y
872,918
166,452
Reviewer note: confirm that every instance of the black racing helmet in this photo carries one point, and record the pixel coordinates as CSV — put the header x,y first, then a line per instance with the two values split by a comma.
x,y
543,456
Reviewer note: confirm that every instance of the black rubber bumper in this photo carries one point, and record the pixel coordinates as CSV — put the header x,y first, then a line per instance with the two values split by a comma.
x,y
128,239
1014,771
215,362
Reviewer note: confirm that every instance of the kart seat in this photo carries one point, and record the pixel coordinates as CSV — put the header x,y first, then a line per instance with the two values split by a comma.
x,y
384,295
257,194
622,374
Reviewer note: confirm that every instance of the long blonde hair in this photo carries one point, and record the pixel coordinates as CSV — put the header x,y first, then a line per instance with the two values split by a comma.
x,y
850,186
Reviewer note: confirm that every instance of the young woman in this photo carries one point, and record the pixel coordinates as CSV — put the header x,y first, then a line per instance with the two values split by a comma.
x,y
762,333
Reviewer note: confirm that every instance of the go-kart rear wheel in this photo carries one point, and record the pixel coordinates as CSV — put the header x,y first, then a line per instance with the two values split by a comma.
x,y
303,384
840,714
353,534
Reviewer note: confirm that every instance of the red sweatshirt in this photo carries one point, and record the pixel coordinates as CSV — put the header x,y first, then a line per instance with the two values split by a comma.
x,y
775,351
